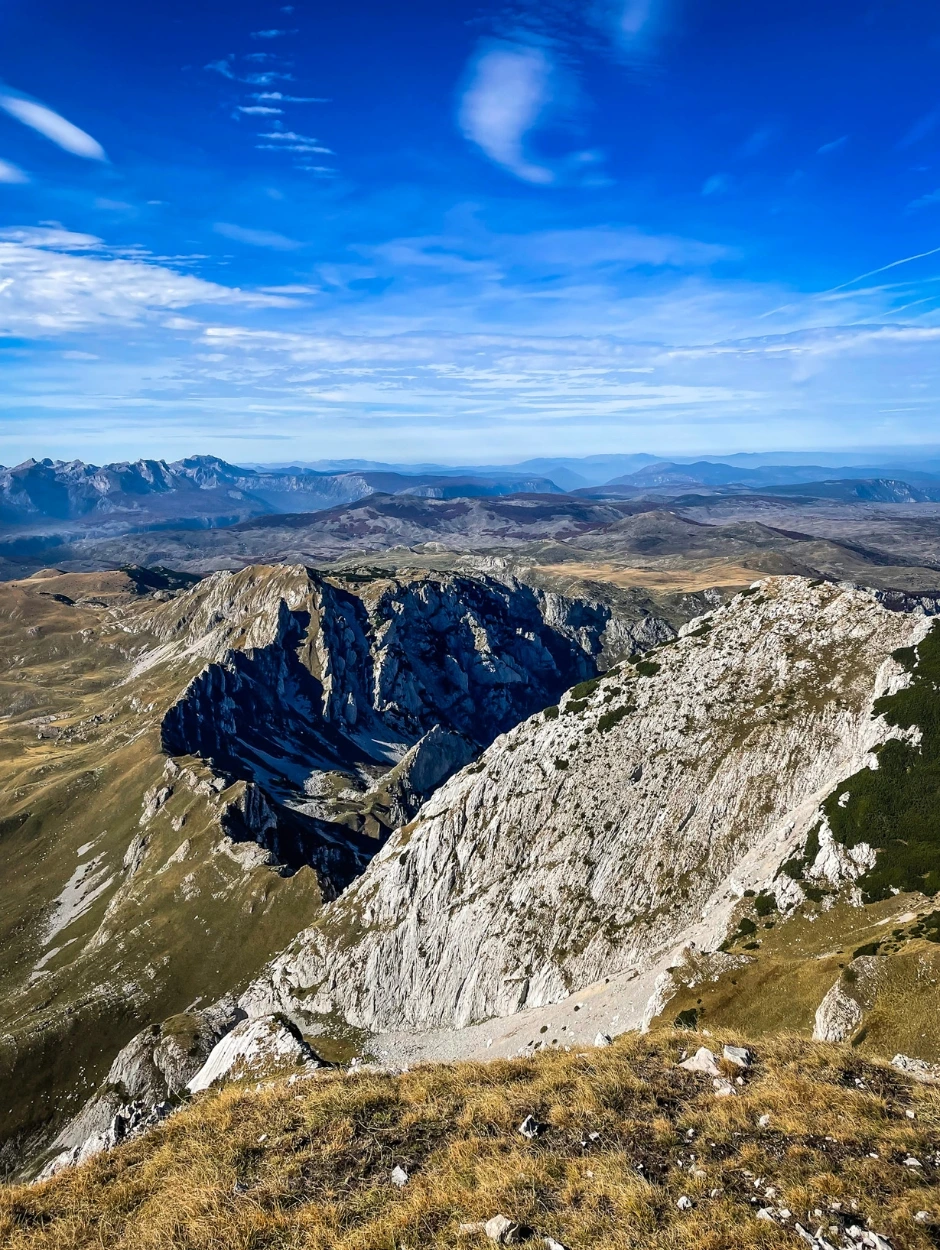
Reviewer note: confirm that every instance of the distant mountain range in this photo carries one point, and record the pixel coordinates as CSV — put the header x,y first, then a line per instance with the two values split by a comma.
x,y
204,492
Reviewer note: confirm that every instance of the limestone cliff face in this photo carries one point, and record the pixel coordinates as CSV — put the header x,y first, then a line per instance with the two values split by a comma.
x,y
314,688
590,840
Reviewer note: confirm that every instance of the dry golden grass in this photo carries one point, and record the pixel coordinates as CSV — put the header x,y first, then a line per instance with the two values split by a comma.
x,y
699,577
308,1165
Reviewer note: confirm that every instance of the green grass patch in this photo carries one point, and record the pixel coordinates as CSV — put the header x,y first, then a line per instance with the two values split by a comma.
x,y
647,668
896,807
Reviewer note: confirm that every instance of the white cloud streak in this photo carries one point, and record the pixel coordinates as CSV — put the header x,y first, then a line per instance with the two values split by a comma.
x,y
290,99
11,173
53,127
510,87
53,282
255,238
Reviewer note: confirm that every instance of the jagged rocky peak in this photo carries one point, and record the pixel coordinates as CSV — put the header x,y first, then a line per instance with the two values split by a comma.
x,y
601,836
350,699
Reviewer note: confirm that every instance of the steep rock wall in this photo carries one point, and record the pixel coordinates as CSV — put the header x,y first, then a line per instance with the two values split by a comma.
x,y
588,840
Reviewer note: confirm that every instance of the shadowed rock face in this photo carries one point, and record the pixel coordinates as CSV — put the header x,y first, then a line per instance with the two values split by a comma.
x,y
335,684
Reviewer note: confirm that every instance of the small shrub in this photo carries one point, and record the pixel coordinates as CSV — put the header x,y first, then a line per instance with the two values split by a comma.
x,y
584,689
687,1019
613,717
561,764
647,668
551,713
870,948
764,904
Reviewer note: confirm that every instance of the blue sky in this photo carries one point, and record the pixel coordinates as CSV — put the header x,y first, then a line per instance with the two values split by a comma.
x,y
467,232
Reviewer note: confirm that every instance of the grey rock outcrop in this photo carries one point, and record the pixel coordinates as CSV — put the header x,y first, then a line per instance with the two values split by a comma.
x,y
591,841
260,1044
152,1070
844,1007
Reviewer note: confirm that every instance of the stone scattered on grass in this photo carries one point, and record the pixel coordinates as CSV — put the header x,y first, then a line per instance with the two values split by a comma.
x,y
740,1056
703,1060
399,1176
531,1128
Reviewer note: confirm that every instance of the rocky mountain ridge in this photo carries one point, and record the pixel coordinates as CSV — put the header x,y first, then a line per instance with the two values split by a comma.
x,y
602,837
204,491
200,769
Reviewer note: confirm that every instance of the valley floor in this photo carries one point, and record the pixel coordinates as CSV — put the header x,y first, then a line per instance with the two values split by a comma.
x,y
628,1150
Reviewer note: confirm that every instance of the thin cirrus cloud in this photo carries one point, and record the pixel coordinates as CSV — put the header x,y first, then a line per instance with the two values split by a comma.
x,y
290,141
717,184
52,126
255,238
271,34
634,25
290,99
509,88
258,110
925,201
834,146
11,173
226,68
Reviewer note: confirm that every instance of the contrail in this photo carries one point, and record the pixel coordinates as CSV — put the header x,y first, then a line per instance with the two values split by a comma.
x,y
884,269
905,260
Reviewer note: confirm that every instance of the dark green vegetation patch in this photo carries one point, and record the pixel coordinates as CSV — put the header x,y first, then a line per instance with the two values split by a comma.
x,y
647,668
896,807
584,689
614,717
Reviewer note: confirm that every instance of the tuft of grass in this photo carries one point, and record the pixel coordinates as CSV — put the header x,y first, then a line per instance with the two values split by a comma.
x,y
306,1166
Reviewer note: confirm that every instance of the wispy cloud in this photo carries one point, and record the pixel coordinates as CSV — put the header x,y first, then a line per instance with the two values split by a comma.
x,y
258,110
227,69
256,238
717,184
634,25
757,142
510,86
290,99
925,201
290,141
222,67
11,173
53,126
923,127
271,34
58,281
834,146
294,147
